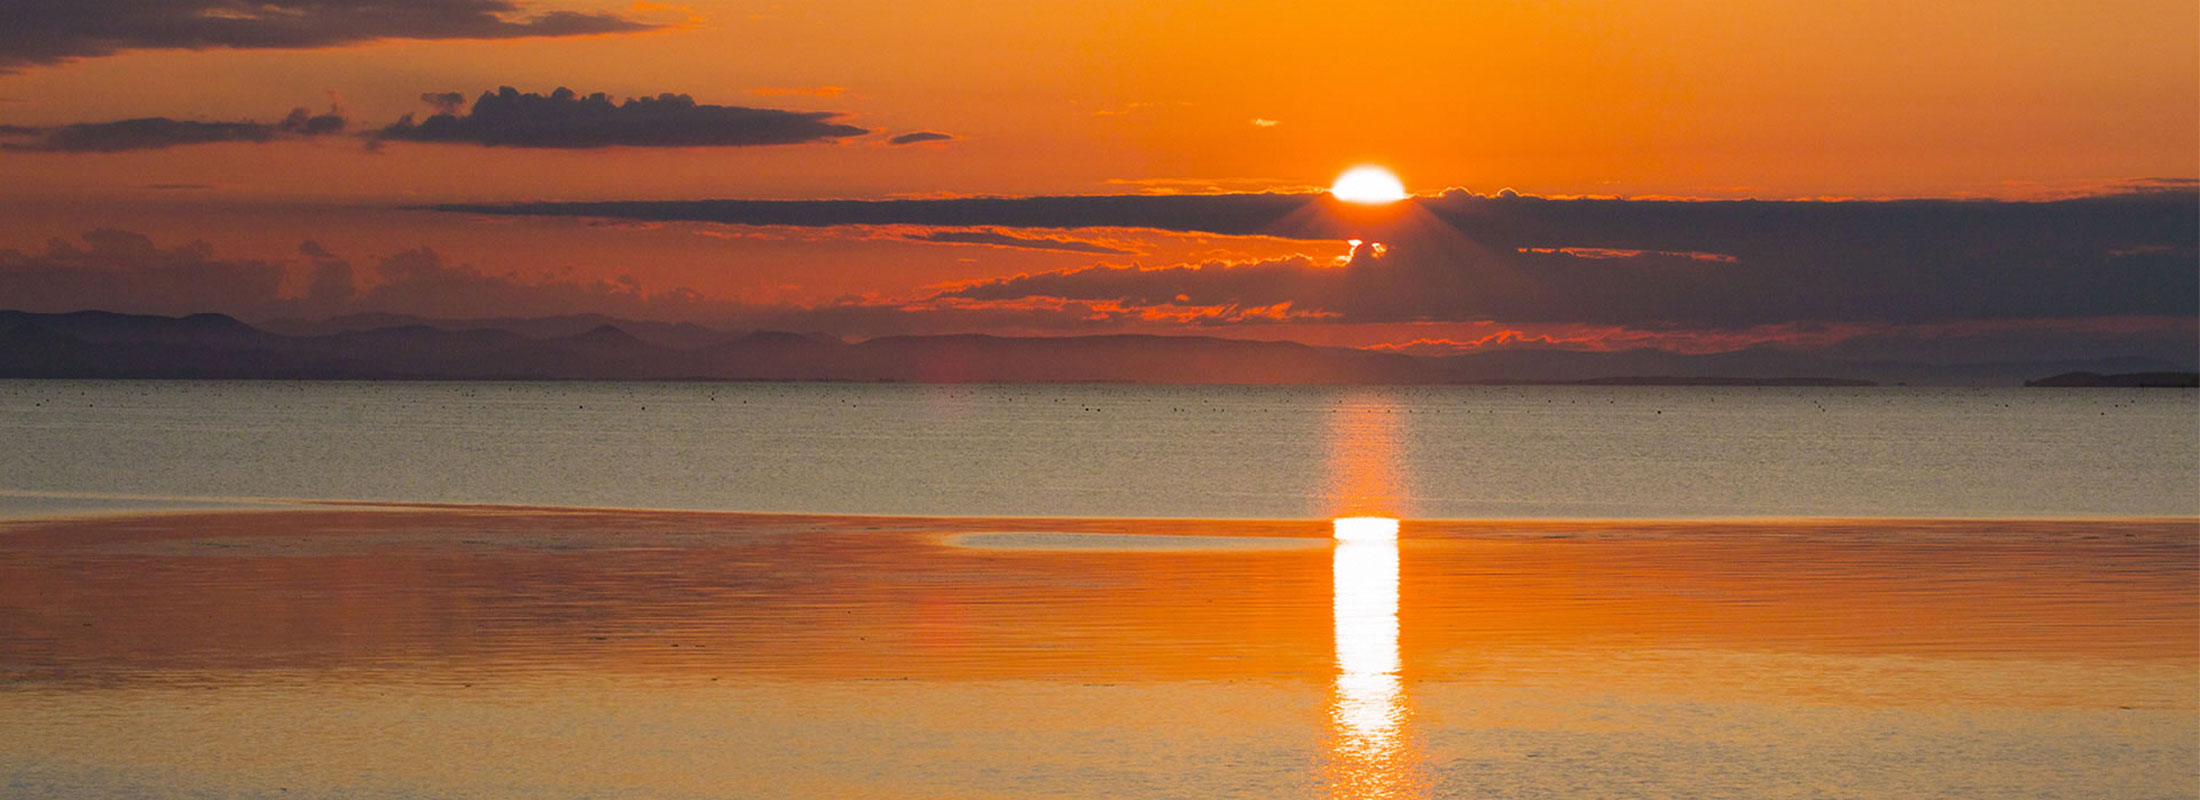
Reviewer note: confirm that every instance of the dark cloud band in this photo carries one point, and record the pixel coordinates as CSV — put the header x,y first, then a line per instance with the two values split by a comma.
x,y
998,239
564,119
154,133
1462,257
1222,214
919,137
503,118
124,271
50,31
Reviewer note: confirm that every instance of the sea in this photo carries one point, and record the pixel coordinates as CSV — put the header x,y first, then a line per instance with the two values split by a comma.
x,y
1110,451
507,591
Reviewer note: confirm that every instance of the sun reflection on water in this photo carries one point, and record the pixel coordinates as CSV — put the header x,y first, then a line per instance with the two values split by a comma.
x,y
1368,753
1367,714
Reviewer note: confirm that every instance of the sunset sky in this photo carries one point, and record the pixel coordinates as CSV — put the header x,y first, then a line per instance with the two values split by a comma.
x,y
153,163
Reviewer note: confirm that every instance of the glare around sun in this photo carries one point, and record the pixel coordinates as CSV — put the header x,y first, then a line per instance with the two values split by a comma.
x,y
1370,185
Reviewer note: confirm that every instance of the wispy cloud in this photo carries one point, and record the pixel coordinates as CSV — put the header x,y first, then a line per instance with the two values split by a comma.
x,y
918,137
998,239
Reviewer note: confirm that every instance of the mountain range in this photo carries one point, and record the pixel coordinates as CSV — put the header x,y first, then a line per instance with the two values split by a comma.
x,y
98,344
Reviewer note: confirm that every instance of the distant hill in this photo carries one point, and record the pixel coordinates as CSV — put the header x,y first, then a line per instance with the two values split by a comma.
x,y
97,344
1626,380
2145,380
669,334
102,345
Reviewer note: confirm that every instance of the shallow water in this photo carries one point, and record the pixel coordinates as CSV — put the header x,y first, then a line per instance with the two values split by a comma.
x,y
543,653
1114,451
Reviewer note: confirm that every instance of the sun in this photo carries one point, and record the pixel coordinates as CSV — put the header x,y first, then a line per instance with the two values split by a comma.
x,y
1368,185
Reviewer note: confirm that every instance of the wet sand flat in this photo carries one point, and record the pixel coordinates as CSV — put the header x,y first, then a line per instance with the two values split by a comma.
x,y
535,652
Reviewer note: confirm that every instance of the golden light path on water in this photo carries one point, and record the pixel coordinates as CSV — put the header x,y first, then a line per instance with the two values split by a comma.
x,y
1368,754
1365,709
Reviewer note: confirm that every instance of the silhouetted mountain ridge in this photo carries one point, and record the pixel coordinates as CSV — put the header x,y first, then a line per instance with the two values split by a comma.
x,y
2129,380
668,334
95,344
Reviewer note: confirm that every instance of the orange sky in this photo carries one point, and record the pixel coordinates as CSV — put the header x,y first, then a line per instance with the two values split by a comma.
x,y
1697,98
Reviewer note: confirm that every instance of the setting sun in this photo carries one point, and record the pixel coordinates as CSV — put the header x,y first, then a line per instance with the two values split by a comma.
x,y
1370,185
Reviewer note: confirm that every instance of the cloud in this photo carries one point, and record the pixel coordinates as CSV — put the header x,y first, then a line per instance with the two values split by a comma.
x,y
115,270
998,239
445,102
1464,257
123,271
1421,280
1303,281
1975,341
1303,298
564,119
1500,339
2094,187
330,283
52,31
506,118
919,136
1233,214
1155,186
154,133
420,281
1261,122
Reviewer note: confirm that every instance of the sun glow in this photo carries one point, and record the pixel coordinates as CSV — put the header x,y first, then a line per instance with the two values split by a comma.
x,y
1369,185
1365,529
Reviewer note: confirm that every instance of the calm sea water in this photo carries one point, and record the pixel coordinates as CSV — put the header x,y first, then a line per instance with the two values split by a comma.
x,y
1061,630
1110,450
528,653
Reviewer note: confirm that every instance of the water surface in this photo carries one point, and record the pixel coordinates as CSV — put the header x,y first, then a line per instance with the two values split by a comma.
x,y
1116,451
1095,591
500,653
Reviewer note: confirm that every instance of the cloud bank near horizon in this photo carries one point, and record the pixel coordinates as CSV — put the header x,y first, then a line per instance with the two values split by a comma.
x,y
127,272
1643,263
998,239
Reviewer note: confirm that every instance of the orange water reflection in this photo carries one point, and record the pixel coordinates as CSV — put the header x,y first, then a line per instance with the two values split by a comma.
x,y
1367,711
668,593
715,648
1365,443
1368,753
1508,635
